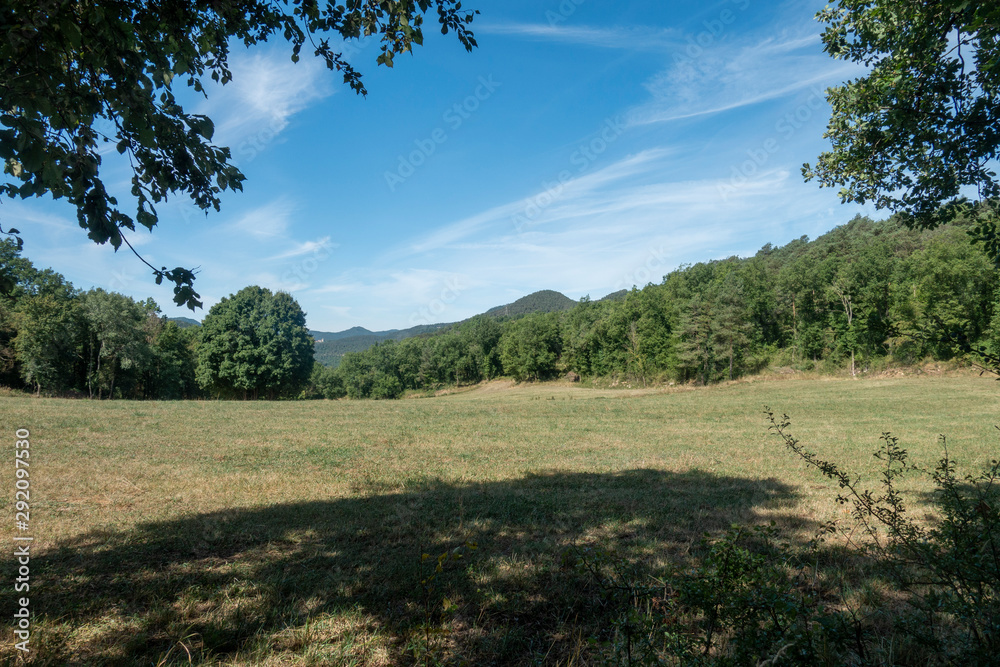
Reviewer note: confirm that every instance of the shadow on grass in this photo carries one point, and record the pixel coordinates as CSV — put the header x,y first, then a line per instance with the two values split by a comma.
x,y
245,584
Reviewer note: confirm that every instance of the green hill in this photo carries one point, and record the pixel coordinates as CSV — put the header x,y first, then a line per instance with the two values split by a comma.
x,y
332,346
615,296
545,301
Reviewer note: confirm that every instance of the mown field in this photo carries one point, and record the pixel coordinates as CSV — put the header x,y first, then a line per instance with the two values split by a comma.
x,y
291,533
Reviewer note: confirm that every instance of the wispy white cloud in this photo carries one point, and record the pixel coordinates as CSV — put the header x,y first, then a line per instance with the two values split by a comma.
x,y
267,89
319,246
32,220
627,38
335,288
265,223
625,224
731,75
504,217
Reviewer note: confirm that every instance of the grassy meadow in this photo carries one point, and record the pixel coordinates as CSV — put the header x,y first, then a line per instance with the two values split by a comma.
x,y
291,533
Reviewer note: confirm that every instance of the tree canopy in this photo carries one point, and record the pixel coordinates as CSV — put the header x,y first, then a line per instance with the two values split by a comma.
x,y
75,76
922,127
255,343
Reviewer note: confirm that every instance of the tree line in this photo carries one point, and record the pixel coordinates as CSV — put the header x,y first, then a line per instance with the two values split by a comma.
x,y
865,294
57,339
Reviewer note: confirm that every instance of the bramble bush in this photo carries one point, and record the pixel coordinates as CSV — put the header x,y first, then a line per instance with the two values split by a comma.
x,y
753,600
948,570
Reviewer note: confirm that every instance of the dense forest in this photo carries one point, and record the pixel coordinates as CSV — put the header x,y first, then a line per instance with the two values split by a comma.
x,y
862,296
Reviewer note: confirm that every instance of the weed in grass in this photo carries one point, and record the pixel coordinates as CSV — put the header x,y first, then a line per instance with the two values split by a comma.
x,y
948,571
436,605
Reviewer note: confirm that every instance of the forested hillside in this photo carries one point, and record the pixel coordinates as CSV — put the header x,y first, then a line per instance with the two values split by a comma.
x,y
544,301
865,294
331,347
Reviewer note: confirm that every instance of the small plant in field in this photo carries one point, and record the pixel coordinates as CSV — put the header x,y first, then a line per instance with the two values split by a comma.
x,y
436,605
636,603
740,605
948,570
746,602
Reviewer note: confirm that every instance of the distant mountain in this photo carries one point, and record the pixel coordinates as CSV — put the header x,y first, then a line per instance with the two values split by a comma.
x,y
545,301
332,346
329,335
615,296
184,322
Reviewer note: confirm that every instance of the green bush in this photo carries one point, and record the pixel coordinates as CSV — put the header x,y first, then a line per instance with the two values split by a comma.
x,y
747,598
948,571
740,605
385,386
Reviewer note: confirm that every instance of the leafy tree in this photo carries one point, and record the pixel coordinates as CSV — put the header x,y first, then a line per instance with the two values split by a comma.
x,y
924,122
12,269
792,294
373,373
697,357
76,75
756,285
408,358
119,339
255,344
730,329
847,333
47,342
385,386
481,337
40,325
170,373
948,303
7,333
324,383
529,347
642,326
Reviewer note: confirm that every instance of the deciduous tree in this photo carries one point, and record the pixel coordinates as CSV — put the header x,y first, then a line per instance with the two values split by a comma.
x,y
75,76
922,127
255,344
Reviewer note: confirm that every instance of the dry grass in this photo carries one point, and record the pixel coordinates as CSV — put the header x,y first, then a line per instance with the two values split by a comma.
x,y
291,533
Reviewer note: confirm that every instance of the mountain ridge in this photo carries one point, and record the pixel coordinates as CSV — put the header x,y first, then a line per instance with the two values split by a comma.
x,y
332,346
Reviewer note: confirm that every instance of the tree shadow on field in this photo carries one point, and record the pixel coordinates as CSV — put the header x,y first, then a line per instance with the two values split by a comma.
x,y
263,581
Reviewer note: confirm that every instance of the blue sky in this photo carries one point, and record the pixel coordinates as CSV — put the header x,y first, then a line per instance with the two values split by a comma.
x,y
585,146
